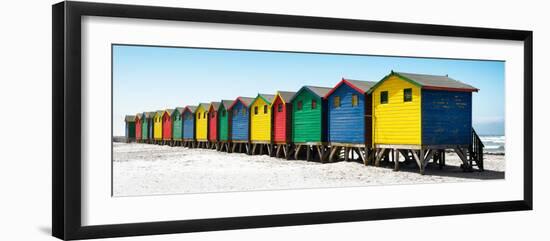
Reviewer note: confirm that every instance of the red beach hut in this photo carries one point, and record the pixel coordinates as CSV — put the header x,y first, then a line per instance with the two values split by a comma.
x,y
213,124
167,125
138,127
282,122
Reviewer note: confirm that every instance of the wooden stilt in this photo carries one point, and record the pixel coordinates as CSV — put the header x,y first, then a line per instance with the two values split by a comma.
x,y
465,164
362,155
297,152
429,156
416,158
346,154
308,153
422,161
324,154
441,159
288,151
320,153
333,151
395,153
379,156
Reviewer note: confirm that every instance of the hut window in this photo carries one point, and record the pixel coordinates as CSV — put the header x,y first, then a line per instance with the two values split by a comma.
x,y
384,97
407,95
205,115
265,109
255,110
224,113
235,112
280,108
300,105
199,116
336,102
313,104
244,111
354,100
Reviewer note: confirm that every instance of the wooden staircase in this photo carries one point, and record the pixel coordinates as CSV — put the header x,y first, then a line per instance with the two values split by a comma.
x,y
475,150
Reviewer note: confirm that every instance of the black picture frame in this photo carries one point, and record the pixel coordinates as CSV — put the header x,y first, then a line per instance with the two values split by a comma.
x,y
66,127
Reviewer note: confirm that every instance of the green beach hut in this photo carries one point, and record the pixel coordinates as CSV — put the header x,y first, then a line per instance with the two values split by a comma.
x,y
224,124
177,125
309,119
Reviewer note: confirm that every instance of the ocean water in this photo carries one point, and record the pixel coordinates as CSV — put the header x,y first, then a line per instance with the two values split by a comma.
x,y
493,144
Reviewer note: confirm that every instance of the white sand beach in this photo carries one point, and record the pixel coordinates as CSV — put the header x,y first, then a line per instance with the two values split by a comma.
x,y
143,169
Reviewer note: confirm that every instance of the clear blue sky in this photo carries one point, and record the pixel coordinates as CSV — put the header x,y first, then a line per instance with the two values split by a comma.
x,y
154,78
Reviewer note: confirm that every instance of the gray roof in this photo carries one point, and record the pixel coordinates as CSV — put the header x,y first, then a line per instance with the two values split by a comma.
x,y
361,84
269,98
192,108
319,91
441,81
287,95
246,100
170,111
130,118
206,105
180,109
226,103
216,105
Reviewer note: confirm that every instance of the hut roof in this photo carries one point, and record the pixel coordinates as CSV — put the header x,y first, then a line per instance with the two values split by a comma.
x,y
267,98
434,82
316,90
286,95
191,108
215,105
159,112
150,114
169,111
245,100
205,105
180,109
130,118
361,86
226,103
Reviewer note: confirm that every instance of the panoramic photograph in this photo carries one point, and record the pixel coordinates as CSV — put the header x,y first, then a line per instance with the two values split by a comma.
x,y
202,120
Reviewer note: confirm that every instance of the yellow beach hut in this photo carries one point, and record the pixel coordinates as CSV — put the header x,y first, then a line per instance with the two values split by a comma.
x,y
157,126
201,122
419,116
260,123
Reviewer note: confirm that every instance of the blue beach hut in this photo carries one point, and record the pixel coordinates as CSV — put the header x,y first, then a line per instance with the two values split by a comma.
x,y
240,123
189,126
349,118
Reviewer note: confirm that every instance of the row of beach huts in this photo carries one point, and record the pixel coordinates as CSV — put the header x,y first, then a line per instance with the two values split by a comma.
x,y
417,116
